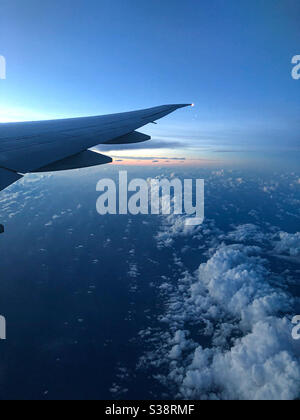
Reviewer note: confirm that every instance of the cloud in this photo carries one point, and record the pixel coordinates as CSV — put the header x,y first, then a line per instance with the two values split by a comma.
x,y
153,144
173,227
260,366
236,278
246,233
149,158
225,335
288,244
133,271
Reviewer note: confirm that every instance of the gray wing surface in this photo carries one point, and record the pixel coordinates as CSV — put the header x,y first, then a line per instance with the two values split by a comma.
x,y
63,144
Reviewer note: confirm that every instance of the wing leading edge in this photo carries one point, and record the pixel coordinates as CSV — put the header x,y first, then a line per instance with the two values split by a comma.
x,y
63,144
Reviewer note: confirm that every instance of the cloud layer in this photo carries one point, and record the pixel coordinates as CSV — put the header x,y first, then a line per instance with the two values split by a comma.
x,y
227,326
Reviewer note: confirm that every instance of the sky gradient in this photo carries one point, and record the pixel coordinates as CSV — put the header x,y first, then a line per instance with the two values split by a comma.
x,y
232,59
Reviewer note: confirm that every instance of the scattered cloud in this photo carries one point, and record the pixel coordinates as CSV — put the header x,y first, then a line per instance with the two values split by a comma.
x,y
224,334
288,244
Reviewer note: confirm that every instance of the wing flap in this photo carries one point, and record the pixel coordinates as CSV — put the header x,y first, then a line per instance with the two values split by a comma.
x,y
81,160
134,137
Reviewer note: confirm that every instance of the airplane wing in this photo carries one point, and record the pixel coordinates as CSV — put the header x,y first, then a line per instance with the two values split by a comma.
x,y
46,146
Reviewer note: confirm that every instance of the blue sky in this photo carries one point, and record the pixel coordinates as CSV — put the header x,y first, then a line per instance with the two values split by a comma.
x,y
233,59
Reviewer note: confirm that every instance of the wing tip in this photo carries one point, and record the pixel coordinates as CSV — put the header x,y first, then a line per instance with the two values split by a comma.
x,y
178,106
